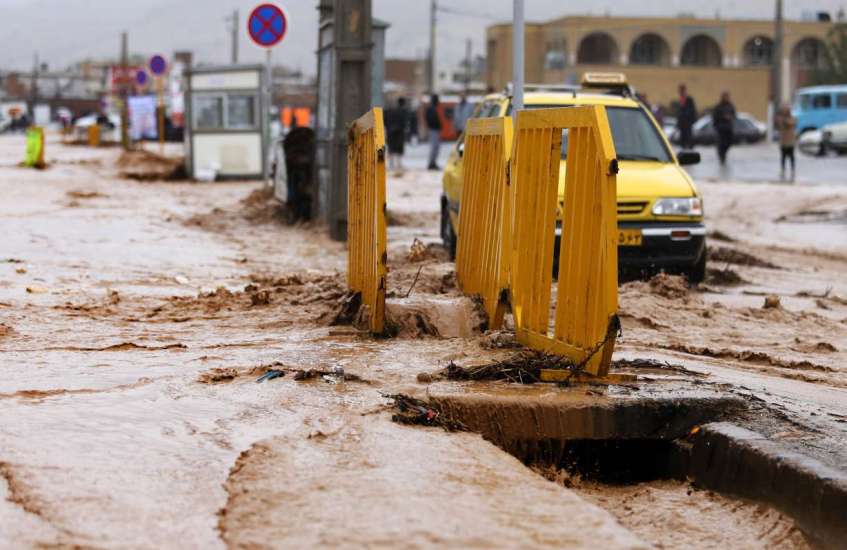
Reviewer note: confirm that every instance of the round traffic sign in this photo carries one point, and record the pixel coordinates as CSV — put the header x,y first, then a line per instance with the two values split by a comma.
x,y
158,65
141,77
267,25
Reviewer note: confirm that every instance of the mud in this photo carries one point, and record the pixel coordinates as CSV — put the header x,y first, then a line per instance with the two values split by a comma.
x,y
141,165
669,514
131,415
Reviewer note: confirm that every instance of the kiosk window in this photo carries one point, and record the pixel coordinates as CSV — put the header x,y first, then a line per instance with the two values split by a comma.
x,y
241,111
209,112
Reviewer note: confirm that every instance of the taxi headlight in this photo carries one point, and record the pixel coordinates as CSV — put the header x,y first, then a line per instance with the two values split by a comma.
x,y
678,207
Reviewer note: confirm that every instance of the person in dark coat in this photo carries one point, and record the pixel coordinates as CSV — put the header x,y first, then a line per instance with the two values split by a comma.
x,y
396,123
433,125
723,118
686,118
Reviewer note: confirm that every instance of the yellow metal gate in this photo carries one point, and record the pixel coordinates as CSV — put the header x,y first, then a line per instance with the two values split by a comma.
x,y
585,322
482,256
366,232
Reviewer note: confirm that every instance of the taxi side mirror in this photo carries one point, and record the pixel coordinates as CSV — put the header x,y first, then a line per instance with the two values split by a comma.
x,y
687,158
461,149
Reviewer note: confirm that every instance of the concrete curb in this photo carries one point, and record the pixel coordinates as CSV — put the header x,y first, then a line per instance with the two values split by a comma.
x,y
730,459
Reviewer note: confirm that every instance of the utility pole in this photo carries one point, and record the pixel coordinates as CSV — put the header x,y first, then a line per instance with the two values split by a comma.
x,y
233,20
517,56
122,83
468,62
33,88
432,77
776,68
779,33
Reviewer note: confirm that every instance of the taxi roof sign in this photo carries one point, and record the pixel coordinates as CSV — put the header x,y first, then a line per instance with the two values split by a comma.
x,y
615,83
604,79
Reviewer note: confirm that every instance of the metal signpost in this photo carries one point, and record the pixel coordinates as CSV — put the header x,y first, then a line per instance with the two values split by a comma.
x,y
158,66
267,26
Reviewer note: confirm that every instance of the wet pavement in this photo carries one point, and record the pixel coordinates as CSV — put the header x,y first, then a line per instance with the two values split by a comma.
x,y
135,318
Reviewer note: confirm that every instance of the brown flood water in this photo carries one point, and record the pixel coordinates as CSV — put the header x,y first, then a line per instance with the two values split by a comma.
x,y
113,432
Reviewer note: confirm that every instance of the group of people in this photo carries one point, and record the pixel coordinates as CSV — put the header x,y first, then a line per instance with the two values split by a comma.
x,y
723,120
397,128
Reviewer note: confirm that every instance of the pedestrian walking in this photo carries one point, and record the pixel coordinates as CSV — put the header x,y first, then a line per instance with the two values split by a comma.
x,y
686,118
433,125
396,123
461,114
723,119
786,125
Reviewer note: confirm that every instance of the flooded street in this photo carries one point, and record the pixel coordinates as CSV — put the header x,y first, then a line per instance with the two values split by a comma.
x,y
137,316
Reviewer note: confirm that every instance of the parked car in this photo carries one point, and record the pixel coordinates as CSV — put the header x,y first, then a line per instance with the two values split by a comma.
x,y
669,126
660,211
834,138
817,106
747,130
810,142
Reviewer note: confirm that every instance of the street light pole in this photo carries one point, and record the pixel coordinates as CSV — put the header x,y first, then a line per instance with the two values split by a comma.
x,y
517,56
431,77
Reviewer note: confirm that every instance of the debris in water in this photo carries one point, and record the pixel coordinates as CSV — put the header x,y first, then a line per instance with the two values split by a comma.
x,y
415,412
734,256
77,194
669,286
719,235
260,298
347,309
724,277
218,375
181,279
498,339
772,302
310,374
20,270
13,261
270,375
639,363
36,289
417,252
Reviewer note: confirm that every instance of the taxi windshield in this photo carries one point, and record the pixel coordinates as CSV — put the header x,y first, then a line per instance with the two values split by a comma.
x,y
635,136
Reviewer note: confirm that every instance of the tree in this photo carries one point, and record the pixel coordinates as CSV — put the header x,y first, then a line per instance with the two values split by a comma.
x,y
832,68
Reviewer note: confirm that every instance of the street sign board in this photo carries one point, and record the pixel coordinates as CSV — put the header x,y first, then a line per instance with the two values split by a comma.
x,y
158,65
141,78
267,25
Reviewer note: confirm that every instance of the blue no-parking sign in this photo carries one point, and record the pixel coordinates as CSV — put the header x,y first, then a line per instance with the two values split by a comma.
x,y
158,65
267,25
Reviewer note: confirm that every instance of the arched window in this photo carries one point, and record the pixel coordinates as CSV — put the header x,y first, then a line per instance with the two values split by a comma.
x,y
701,51
598,49
556,57
809,53
650,49
758,52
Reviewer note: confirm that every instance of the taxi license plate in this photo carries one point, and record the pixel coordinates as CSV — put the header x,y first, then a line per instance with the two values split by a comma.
x,y
629,237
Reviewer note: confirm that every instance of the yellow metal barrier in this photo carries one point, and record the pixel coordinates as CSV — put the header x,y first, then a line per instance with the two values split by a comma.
x,y
586,323
483,252
366,232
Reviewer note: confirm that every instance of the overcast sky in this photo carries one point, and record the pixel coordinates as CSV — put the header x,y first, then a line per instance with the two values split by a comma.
x,y
64,31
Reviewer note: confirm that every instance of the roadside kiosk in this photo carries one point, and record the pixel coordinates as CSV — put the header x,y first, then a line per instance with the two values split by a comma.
x,y
227,126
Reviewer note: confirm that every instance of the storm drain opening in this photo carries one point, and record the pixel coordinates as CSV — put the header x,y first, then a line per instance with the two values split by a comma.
x,y
675,471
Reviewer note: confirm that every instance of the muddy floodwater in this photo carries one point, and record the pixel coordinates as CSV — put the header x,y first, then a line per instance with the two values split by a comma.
x,y
137,317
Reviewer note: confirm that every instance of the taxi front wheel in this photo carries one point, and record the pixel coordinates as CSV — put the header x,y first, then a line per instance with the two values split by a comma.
x,y
447,233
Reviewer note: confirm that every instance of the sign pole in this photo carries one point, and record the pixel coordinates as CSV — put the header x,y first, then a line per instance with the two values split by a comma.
x,y
266,127
160,108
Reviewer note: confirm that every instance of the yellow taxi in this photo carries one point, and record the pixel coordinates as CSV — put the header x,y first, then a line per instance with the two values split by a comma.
x,y
660,211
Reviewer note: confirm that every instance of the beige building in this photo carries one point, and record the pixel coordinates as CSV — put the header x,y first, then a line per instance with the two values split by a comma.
x,y
657,54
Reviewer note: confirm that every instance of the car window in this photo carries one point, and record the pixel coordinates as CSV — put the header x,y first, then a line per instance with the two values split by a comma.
x,y
743,125
841,101
489,109
634,134
821,101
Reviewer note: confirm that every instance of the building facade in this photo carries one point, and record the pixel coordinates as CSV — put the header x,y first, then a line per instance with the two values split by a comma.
x,y
658,54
